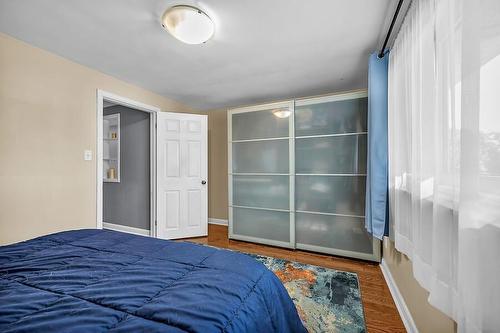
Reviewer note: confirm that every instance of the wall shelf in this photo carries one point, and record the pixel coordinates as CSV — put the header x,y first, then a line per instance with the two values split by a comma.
x,y
111,148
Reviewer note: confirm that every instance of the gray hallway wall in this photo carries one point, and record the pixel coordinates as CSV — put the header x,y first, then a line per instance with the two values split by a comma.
x,y
127,202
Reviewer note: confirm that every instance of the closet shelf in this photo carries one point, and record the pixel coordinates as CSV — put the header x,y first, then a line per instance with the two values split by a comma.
x,y
111,148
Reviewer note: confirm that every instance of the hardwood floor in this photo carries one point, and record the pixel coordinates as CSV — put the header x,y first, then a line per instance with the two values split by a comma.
x,y
381,314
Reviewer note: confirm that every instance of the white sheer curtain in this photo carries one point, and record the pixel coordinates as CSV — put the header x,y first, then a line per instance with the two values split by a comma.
x,y
444,155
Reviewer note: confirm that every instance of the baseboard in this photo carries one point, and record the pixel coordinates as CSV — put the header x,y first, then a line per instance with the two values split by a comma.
x,y
124,228
403,310
217,221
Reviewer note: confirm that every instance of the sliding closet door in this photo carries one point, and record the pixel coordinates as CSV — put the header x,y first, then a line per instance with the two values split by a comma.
x,y
297,175
330,166
261,171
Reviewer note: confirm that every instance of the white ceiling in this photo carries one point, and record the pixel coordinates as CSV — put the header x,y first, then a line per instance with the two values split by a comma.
x,y
262,50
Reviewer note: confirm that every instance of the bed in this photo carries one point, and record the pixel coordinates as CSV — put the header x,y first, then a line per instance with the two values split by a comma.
x,y
107,281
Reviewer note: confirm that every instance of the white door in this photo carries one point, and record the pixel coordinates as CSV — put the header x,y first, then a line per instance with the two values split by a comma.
x,y
182,189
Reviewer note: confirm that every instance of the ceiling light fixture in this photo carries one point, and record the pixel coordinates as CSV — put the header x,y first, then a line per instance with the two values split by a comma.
x,y
188,24
282,113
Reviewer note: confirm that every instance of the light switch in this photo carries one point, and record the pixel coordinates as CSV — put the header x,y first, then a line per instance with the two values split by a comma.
x,y
87,155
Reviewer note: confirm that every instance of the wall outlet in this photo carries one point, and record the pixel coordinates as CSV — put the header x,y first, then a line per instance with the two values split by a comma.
x,y
87,155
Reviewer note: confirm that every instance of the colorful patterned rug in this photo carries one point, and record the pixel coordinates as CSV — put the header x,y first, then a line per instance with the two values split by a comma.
x,y
327,300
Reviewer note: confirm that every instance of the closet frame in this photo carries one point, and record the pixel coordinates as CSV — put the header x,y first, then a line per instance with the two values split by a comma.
x,y
292,104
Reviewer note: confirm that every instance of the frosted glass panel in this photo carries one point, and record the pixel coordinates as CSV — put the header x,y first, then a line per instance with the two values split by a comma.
x,y
261,191
330,183
261,157
331,194
335,154
259,125
347,116
337,232
262,224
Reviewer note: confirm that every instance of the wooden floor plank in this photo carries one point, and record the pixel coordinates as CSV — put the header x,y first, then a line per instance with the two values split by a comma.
x,y
381,314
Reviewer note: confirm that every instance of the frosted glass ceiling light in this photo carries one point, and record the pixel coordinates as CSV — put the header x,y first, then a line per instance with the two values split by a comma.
x,y
282,113
188,24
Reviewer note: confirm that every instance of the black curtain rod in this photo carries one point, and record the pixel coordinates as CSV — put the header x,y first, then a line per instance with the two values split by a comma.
x,y
381,53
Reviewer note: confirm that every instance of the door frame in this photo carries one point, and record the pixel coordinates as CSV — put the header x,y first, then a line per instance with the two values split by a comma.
x,y
152,110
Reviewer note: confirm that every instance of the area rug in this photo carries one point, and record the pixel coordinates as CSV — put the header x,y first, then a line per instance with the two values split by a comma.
x,y
327,300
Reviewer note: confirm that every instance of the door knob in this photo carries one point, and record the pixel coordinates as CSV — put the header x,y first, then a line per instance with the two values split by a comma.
x,y
203,182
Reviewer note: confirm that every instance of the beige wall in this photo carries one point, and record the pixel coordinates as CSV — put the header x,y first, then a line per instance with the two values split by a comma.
x,y
47,120
427,318
217,164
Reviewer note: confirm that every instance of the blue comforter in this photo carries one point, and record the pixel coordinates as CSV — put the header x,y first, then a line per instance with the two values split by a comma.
x,y
96,281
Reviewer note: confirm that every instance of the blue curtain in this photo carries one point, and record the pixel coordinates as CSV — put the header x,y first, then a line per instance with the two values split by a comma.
x,y
377,194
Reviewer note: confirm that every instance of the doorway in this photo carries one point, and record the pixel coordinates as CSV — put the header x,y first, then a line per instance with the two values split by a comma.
x,y
174,159
126,163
